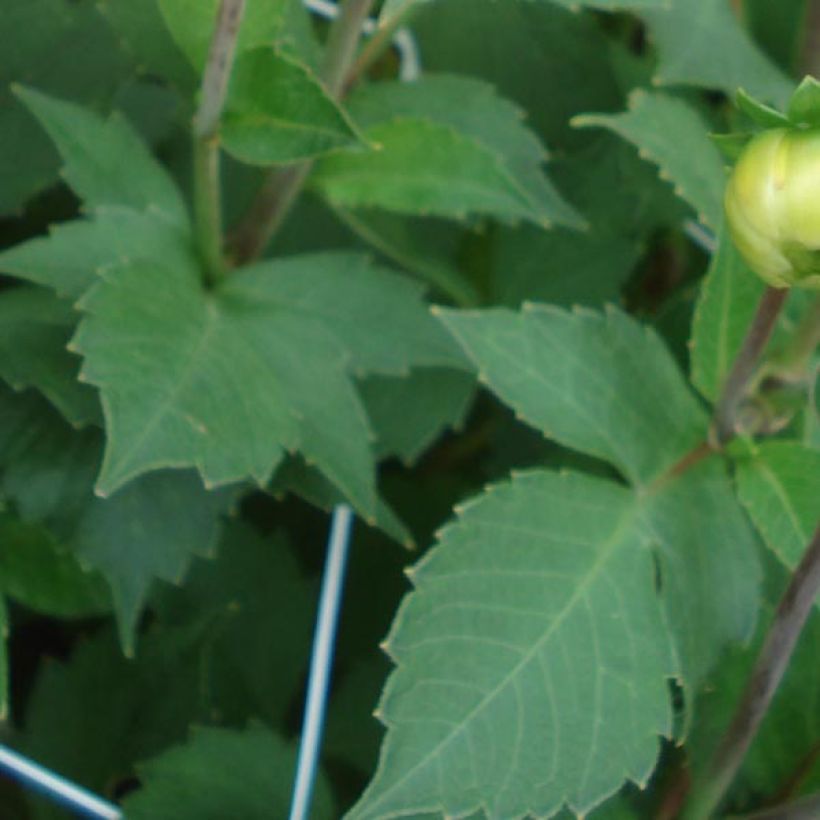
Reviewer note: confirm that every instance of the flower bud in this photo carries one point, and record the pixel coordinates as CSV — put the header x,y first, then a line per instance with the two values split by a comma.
x,y
773,206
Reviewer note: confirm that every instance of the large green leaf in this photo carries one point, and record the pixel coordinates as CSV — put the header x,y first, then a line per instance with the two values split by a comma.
x,y
278,112
599,383
65,48
675,137
93,151
780,486
191,23
525,677
34,330
193,782
71,258
701,42
420,130
728,298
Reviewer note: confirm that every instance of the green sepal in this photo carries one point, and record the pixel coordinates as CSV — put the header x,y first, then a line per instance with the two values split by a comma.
x,y
731,145
760,113
804,105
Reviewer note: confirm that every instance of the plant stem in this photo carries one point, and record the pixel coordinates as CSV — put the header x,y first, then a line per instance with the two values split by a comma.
x,y
757,337
281,189
805,808
794,608
214,90
375,46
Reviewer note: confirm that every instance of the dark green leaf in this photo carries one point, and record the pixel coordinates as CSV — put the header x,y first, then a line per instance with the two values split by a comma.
x,y
193,782
63,48
36,571
674,136
35,328
701,43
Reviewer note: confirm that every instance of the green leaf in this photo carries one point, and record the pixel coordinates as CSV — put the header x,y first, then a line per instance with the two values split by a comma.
x,y
139,534
419,129
525,678
601,384
191,23
306,482
192,782
355,299
701,43
262,607
726,304
92,716
278,112
36,571
93,149
144,34
561,267
675,137
71,258
34,330
760,113
804,106
522,47
275,380
133,537
709,569
423,247
780,487
41,43
410,412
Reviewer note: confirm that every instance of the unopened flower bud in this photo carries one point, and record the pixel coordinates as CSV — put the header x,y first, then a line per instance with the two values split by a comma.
x,y
773,206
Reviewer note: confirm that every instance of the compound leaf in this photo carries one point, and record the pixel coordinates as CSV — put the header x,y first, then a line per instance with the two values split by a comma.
x,y
525,677
599,383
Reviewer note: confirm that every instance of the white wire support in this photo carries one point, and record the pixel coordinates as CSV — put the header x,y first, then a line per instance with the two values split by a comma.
x,y
321,660
55,787
700,235
403,40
